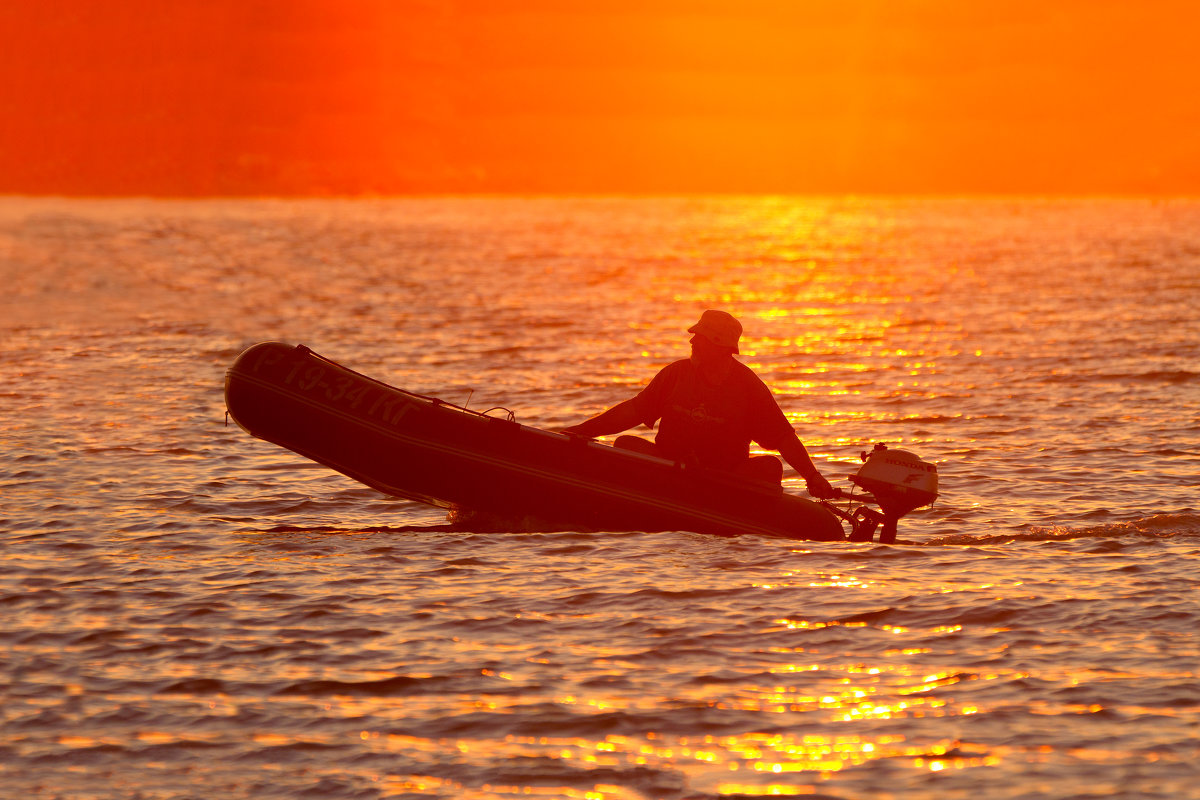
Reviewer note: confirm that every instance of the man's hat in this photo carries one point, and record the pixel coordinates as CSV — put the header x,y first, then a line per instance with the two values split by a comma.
x,y
720,327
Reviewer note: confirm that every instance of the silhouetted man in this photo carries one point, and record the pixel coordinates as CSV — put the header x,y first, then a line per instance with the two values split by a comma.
x,y
711,407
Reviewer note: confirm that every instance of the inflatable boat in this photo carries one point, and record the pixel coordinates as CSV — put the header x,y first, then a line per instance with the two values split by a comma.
x,y
487,465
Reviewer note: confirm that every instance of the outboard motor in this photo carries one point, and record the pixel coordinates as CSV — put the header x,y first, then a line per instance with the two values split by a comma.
x,y
899,482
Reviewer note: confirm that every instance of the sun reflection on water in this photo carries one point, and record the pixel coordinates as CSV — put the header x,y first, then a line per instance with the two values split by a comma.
x,y
791,759
755,757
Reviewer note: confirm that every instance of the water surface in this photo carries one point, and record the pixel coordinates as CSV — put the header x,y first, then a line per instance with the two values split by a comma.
x,y
189,611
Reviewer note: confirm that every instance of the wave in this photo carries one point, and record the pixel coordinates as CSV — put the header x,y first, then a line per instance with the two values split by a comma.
x,y
395,686
1179,376
343,529
1166,376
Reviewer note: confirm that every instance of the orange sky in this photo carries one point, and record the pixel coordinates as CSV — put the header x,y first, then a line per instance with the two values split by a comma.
x,y
265,97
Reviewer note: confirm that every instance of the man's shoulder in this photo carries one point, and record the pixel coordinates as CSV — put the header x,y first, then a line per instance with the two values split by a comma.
x,y
666,378
746,374
680,365
676,368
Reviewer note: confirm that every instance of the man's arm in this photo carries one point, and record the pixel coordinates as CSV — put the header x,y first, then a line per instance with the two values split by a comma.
x,y
794,452
645,407
620,417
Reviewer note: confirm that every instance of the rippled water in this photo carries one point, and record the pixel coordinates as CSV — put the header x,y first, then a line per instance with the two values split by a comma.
x,y
189,612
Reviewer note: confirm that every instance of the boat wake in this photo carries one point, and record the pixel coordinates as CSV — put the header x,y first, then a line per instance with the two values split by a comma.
x,y
1167,526
1183,523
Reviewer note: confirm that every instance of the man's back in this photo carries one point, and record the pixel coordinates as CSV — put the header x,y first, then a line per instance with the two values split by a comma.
x,y
711,418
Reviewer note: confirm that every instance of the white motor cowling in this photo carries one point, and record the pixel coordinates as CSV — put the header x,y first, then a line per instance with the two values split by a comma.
x,y
899,480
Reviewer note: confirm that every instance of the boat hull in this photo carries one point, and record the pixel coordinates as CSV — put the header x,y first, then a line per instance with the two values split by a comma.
x,y
426,450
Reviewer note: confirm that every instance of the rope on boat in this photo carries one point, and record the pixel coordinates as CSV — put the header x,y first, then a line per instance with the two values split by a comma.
x,y
437,401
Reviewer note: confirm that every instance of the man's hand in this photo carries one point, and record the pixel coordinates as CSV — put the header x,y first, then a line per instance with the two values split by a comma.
x,y
819,487
576,430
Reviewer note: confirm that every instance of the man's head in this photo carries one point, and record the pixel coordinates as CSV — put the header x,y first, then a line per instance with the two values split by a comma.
x,y
719,328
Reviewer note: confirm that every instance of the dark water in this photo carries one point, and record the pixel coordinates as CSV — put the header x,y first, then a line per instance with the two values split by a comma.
x,y
188,612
